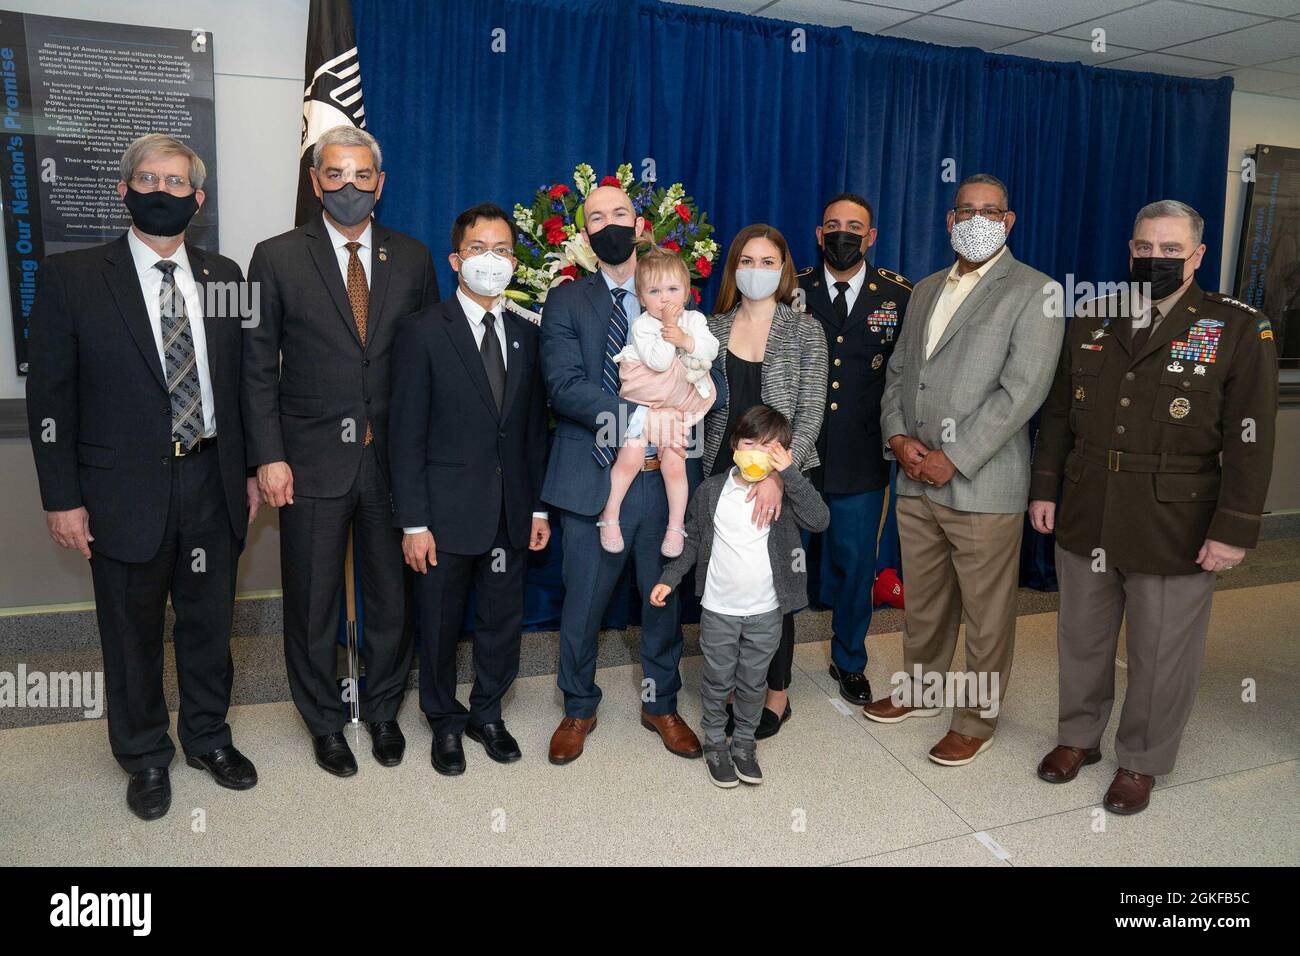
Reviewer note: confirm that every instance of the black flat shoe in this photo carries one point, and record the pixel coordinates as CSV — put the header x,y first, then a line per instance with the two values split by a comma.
x,y
496,740
387,742
229,768
333,754
448,755
149,794
855,688
769,725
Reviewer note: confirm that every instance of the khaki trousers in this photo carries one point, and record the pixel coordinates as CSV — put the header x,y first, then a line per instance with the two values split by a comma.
x,y
960,563
1168,617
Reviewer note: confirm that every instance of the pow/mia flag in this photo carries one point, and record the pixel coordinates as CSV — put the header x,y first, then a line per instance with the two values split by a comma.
x,y
332,95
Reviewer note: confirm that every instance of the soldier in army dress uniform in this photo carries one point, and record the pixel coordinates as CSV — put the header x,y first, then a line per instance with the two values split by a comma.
x,y
861,310
1159,427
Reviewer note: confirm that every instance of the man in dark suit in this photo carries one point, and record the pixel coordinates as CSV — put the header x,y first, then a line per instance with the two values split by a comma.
x,y
468,453
133,408
585,325
861,309
316,374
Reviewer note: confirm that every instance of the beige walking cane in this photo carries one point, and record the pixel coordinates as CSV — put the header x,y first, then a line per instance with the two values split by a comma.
x,y
349,586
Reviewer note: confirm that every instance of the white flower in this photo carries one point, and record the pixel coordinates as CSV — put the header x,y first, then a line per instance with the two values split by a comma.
x,y
624,174
704,249
584,177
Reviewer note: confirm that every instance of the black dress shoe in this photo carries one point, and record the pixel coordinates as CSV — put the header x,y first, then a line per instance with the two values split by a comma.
x,y
770,724
229,768
334,755
496,740
387,742
149,794
448,755
855,688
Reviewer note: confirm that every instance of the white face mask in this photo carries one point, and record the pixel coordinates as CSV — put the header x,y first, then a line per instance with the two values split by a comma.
x,y
487,273
757,283
978,239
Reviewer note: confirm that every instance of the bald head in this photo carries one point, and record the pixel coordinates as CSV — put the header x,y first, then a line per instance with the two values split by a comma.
x,y
606,204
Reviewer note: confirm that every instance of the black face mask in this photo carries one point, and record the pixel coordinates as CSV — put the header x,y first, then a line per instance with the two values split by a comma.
x,y
1165,275
159,213
613,244
348,205
842,250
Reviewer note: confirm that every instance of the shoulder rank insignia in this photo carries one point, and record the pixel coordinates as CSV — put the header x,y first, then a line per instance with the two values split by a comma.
x,y
1229,300
894,277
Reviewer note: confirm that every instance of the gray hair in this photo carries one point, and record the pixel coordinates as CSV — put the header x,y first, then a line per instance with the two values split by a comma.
x,y
987,179
346,136
163,145
1172,208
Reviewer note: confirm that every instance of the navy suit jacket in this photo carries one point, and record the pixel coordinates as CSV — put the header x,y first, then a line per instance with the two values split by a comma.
x,y
574,330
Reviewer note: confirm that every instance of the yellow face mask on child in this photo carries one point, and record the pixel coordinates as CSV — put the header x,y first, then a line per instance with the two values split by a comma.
x,y
754,465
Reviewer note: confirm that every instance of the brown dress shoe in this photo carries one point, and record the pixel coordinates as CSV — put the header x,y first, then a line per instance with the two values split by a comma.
x,y
1129,792
675,733
1063,763
887,711
956,749
567,741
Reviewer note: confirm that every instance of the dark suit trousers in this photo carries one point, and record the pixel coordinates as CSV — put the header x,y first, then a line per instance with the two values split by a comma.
x,y
498,577
590,574
195,565
313,544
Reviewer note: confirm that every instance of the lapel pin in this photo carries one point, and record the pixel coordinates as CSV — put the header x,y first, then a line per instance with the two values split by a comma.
x,y
1191,308
383,254
871,286
514,345
205,271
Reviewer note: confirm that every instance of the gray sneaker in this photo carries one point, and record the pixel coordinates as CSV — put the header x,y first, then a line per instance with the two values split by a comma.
x,y
745,761
721,772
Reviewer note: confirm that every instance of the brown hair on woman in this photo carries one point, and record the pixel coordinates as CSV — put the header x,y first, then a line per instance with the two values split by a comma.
x,y
728,296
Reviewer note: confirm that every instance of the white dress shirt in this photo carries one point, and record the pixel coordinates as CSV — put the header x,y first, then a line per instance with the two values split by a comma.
x,y
474,313
956,288
340,243
855,285
739,580
151,280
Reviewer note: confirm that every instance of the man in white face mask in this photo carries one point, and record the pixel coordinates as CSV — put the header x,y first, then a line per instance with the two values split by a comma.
x,y
974,362
468,446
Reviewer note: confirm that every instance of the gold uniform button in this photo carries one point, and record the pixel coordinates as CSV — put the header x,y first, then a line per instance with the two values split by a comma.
x,y
1124,402
837,361
835,384
839,339
871,286
1119,429
834,406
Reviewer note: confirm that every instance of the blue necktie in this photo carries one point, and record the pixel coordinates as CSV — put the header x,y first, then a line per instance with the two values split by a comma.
x,y
615,339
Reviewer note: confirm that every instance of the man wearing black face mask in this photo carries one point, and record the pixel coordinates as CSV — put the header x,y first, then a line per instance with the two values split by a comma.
x,y
316,369
861,310
1160,421
133,406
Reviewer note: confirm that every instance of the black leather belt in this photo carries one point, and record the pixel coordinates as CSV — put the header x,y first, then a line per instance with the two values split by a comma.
x,y
1113,460
178,451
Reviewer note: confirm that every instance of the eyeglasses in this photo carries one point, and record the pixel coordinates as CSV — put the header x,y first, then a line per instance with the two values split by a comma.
x,y
153,181
962,213
477,249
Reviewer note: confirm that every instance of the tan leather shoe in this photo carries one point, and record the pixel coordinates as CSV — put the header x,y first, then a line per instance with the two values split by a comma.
x,y
887,711
675,733
569,737
956,750
1129,792
1063,763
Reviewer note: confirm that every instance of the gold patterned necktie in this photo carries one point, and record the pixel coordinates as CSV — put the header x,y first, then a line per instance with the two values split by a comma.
x,y
359,299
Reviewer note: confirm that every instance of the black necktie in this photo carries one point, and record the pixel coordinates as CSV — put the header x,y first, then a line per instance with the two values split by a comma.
x,y
1142,336
494,362
841,303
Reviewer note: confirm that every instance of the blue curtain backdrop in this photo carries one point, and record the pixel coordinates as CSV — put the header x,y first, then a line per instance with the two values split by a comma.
x,y
760,131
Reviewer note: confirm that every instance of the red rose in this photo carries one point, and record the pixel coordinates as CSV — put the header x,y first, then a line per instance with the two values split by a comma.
x,y
695,294
611,181
570,271
684,212
671,246
556,237
704,267
555,222
558,190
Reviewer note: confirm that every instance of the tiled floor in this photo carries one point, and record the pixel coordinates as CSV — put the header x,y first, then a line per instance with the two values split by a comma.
x,y
839,790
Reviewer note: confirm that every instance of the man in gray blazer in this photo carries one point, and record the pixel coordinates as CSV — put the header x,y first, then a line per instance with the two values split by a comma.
x,y
971,368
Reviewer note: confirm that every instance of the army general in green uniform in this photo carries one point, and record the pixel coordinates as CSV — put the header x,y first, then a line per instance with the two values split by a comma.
x,y
1158,432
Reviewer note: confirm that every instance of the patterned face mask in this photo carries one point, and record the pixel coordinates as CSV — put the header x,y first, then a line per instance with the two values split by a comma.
x,y
977,239
754,465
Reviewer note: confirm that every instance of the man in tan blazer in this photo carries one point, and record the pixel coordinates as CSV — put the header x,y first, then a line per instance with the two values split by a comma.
x,y
971,368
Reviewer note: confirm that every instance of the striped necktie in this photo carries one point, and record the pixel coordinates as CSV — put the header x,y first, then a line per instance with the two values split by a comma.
x,y
615,339
180,362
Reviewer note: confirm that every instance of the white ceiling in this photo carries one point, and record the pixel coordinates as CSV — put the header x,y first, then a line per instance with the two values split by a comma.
x,y
1257,42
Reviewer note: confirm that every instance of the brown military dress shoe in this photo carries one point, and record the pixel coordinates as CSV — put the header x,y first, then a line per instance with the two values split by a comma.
x,y
567,741
1129,792
887,711
675,733
956,750
1063,763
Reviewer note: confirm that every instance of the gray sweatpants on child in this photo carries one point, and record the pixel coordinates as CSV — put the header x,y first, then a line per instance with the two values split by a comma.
x,y
737,652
